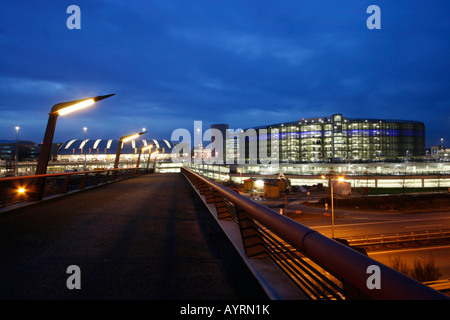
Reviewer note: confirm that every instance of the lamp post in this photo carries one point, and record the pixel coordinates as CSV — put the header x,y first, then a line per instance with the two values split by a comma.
x,y
330,183
140,152
60,109
149,157
156,153
119,147
16,167
84,151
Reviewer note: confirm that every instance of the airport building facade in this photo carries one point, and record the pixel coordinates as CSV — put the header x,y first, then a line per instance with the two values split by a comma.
x,y
104,150
337,138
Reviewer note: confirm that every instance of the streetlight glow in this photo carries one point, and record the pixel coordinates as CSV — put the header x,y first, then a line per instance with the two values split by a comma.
x,y
21,190
119,147
132,137
57,110
75,107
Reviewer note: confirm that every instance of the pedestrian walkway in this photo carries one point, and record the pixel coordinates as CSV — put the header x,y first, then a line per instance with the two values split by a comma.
x,y
148,237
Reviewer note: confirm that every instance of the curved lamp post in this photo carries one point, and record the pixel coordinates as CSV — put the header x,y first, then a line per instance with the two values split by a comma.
x,y
140,152
60,109
119,147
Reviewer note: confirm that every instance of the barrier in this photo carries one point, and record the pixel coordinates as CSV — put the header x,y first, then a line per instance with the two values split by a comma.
x,y
15,190
321,267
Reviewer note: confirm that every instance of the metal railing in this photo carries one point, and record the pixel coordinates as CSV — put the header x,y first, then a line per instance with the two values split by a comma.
x,y
21,189
322,268
391,239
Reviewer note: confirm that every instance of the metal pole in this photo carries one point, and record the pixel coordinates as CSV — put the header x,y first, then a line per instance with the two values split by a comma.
x,y
46,148
148,160
85,165
332,210
44,155
138,160
116,161
16,167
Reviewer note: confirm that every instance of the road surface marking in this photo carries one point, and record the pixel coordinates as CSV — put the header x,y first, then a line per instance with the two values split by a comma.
x,y
424,226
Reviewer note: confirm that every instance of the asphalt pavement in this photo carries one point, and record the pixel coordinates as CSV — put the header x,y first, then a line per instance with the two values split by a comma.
x,y
148,237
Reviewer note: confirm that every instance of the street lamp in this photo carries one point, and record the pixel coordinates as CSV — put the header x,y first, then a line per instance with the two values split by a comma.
x,y
123,140
149,156
156,153
330,183
140,152
60,109
16,167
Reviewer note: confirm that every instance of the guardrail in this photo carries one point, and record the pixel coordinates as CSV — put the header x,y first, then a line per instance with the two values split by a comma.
x,y
322,268
15,190
390,239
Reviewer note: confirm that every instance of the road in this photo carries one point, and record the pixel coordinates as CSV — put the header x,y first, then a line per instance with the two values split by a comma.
x,y
439,254
350,223
148,237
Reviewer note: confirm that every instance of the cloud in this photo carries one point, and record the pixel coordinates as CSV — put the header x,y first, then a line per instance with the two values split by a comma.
x,y
29,86
248,46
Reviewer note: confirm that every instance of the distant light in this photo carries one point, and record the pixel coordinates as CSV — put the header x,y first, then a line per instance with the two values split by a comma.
x,y
323,177
21,190
77,106
259,183
340,179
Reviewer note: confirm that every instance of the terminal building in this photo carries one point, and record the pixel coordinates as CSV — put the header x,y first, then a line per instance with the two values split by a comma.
x,y
336,138
101,153
105,149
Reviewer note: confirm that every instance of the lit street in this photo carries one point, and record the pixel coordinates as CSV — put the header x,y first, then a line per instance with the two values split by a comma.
x,y
348,224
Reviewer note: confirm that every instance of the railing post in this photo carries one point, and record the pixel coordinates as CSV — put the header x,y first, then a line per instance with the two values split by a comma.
x,y
209,197
106,178
253,244
96,179
65,185
83,182
221,208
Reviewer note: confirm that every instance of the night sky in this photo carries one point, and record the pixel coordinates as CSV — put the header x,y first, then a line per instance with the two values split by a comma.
x,y
242,62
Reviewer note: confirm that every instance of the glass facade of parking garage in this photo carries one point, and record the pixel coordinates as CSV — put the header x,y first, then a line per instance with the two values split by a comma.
x,y
337,138
386,175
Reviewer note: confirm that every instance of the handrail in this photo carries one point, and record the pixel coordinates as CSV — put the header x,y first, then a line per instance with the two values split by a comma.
x,y
49,175
350,265
35,185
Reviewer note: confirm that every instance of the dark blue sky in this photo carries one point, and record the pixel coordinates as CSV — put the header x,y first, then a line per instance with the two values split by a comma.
x,y
241,62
